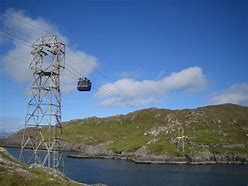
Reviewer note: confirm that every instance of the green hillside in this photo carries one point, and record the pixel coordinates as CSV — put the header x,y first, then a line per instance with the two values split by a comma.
x,y
215,128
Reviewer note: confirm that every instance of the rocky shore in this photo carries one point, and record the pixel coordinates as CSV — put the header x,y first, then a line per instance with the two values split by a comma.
x,y
142,156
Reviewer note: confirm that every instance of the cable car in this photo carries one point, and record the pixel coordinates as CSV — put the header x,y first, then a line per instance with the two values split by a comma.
x,y
84,84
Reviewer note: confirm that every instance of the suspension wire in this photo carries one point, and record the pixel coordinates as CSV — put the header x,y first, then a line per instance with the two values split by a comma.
x,y
7,29
69,69
38,27
23,40
34,25
16,37
74,69
5,32
49,32
22,43
106,92
75,73
10,56
109,92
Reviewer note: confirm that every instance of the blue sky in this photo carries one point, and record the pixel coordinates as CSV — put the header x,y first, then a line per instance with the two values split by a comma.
x,y
203,43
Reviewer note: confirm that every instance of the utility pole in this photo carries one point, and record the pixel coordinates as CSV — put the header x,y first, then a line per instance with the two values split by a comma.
x,y
43,119
180,138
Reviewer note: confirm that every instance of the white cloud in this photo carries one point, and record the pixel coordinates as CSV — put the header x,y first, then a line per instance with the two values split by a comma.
x,y
236,94
117,101
130,91
131,74
18,22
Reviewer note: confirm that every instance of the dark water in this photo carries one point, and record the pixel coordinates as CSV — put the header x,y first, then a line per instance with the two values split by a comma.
x,y
126,173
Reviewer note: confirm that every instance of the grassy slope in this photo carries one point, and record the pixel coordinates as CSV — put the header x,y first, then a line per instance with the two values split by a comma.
x,y
218,129
14,173
209,128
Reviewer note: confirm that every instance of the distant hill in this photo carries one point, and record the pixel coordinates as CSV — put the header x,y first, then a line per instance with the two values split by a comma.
x,y
217,133
5,134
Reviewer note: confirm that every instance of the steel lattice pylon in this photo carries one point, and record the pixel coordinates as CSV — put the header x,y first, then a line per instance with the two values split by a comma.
x,y
43,119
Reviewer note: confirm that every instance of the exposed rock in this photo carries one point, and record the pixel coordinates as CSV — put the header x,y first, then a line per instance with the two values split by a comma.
x,y
233,145
142,151
15,173
89,150
155,131
203,156
152,141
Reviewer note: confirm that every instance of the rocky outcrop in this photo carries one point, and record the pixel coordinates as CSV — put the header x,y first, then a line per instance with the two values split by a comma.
x,y
89,150
143,156
12,172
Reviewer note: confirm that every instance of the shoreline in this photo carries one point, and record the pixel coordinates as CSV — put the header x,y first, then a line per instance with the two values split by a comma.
x,y
143,159
139,161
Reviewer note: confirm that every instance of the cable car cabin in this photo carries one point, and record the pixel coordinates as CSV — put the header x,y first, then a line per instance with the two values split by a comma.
x,y
84,84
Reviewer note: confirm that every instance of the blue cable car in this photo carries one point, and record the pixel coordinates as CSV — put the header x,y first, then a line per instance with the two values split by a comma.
x,y
84,84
